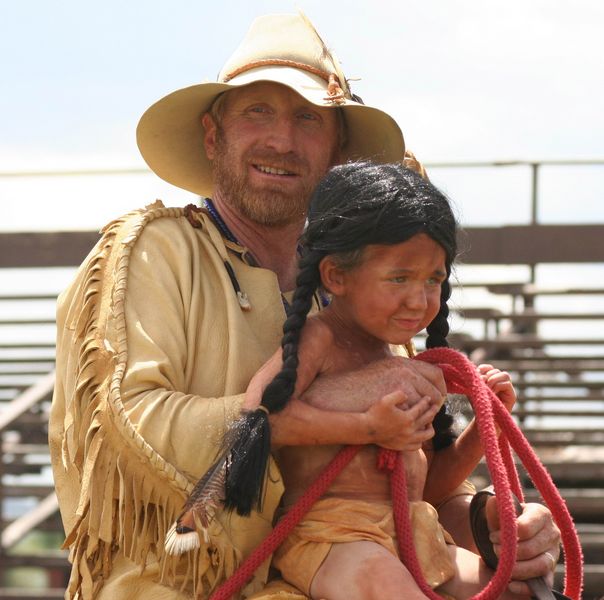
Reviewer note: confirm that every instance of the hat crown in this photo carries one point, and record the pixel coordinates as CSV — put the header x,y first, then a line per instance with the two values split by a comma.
x,y
286,40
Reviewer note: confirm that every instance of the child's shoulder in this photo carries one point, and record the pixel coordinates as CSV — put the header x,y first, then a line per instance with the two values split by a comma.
x,y
318,329
317,340
314,351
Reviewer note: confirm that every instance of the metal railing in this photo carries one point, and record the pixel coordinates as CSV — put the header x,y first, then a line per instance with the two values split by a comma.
x,y
534,166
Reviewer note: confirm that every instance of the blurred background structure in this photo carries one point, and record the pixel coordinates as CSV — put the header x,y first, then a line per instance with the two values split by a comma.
x,y
501,100
548,335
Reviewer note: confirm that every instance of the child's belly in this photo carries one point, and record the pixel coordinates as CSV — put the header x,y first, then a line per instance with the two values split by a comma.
x,y
361,479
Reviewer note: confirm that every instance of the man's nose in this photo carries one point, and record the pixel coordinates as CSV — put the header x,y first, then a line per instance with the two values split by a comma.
x,y
281,136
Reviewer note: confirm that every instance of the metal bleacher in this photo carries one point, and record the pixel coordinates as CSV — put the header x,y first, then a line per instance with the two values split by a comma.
x,y
558,372
560,407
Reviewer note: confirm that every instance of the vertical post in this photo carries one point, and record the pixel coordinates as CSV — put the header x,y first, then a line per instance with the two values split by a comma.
x,y
3,521
534,205
534,191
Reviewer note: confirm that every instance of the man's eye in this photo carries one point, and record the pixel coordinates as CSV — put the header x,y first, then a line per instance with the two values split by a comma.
x,y
309,116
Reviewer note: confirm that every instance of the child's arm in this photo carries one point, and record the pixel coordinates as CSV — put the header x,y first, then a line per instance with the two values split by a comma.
x,y
450,466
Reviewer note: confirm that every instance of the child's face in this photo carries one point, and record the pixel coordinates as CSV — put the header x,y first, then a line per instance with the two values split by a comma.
x,y
394,292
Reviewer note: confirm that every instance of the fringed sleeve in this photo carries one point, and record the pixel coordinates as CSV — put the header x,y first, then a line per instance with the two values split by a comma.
x,y
141,401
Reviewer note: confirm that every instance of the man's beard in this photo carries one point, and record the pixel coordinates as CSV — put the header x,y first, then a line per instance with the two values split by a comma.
x,y
271,206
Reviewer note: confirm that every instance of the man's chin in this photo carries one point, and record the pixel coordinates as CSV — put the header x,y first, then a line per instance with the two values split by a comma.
x,y
275,210
274,221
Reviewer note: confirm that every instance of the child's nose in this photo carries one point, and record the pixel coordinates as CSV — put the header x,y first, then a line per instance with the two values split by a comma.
x,y
417,298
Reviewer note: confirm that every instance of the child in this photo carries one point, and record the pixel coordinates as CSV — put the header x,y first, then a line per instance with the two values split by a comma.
x,y
381,241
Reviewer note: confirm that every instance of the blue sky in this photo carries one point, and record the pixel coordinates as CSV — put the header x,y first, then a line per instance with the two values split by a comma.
x,y
465,79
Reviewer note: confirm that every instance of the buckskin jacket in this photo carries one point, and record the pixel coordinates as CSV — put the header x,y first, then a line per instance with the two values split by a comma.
x,y
154,353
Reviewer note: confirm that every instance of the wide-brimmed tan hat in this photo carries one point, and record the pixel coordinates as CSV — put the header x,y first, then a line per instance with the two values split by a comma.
x,y
285,49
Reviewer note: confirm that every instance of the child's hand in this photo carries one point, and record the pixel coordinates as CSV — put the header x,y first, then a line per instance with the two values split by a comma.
x,y
413,424
501,384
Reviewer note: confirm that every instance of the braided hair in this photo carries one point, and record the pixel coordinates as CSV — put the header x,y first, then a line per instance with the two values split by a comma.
x,y
355,205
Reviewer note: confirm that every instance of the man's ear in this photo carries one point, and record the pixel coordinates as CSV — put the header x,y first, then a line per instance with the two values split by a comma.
x,y
333,277
209,139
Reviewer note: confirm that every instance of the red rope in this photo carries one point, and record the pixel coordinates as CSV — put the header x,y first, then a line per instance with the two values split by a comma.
x,y
284,527
573,555
456,374
462,377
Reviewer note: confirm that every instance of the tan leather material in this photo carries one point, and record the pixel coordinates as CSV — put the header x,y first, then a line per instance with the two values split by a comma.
x,y
128,367
336,520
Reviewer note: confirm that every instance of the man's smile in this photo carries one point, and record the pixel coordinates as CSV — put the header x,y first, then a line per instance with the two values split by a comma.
x,y
273,170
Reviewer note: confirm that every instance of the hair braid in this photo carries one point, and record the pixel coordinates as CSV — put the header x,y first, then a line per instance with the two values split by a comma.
x,y
279,391
251,447
438,330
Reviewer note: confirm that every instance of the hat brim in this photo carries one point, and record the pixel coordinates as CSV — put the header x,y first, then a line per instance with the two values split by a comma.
x,y
170,134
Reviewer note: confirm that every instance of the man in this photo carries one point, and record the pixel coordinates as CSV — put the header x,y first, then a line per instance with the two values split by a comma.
x,y
174,311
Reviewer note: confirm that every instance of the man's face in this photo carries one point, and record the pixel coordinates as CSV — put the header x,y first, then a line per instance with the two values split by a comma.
x,y
269,150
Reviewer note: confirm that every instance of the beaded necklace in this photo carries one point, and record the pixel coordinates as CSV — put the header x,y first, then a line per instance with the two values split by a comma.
x,y
219,222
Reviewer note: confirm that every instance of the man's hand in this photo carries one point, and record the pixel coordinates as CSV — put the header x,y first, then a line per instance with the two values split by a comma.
x,y
538,546
377,404
398,398
358,390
